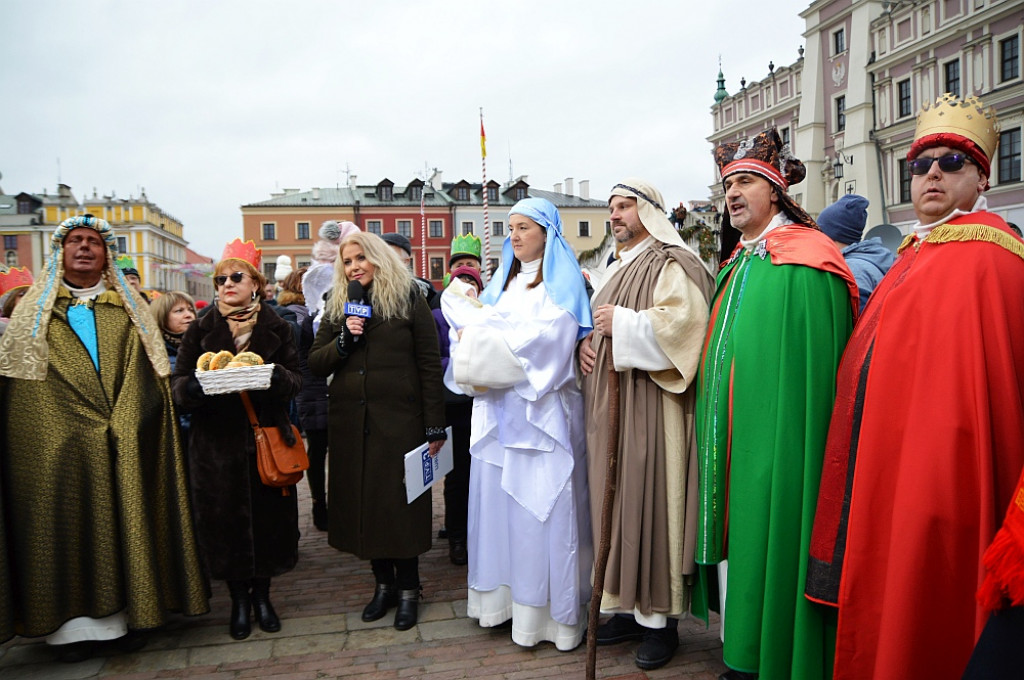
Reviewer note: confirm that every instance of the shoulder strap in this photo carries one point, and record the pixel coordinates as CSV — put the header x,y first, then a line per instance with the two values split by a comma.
x,y
249,409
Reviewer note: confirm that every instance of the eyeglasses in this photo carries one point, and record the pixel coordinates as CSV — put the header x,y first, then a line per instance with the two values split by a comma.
x,y
948,163
236,277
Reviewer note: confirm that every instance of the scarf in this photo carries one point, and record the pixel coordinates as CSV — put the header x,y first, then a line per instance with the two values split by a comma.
x,y
240,320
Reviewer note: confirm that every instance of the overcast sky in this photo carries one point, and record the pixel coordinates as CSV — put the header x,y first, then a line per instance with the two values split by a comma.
x,y
211,105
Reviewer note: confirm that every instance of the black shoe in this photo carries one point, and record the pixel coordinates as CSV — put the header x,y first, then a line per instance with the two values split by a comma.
x,y
619,628
408,609
320,515
385,596
658,647
457,552
737,675
265,614
132,641
76,651
442,532
240,625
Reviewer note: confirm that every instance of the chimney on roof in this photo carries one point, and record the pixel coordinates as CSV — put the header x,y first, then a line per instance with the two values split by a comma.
x,y
316,193
585,189
435,179
558,187
568,186
352,181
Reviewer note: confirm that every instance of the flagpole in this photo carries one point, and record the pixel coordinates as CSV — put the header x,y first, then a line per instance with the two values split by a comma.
x,y
485,269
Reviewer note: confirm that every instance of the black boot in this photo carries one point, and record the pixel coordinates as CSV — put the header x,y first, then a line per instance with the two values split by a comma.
x,y
320,515
385,596
658,647
457,551
261,606
241,605
408,609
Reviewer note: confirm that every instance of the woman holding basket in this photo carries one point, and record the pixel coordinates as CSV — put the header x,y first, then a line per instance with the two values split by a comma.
x,y
248,532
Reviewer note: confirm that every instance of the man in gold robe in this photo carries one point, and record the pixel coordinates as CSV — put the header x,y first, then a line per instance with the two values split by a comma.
x,y
92,477
652,308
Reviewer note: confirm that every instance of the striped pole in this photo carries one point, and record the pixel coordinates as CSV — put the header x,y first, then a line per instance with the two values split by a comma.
x,y
487,223
423,233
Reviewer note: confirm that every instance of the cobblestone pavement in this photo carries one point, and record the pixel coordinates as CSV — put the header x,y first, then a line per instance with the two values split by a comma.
x,y
322,635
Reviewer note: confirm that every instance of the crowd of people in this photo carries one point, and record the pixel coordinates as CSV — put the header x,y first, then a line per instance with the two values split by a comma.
x,y
822,443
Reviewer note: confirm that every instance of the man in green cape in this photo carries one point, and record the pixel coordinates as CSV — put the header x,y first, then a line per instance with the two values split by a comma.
x,y
93,486
782,313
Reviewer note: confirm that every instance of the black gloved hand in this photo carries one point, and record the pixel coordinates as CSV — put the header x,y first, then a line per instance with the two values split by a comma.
x,y
193,389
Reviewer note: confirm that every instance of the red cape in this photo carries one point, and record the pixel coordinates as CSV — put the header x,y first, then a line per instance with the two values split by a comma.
x,y
925,445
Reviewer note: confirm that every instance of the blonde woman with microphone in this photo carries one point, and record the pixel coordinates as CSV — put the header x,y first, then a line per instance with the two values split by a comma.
x,y
378,343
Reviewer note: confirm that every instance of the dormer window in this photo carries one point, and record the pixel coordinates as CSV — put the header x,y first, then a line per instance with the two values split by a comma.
x,y
462,194
415,193
520,193
492,193
384,193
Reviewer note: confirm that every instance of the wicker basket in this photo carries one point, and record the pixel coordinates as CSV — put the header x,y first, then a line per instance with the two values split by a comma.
x,y
226,380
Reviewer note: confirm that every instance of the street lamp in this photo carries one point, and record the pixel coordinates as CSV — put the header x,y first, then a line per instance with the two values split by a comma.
x,y
837,165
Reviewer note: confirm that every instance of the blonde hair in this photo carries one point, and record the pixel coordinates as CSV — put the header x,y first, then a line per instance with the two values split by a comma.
x,y
392,282
163,305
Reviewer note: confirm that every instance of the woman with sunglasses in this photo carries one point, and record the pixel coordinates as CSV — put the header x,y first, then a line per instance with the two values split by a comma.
x,y
385,398
248,533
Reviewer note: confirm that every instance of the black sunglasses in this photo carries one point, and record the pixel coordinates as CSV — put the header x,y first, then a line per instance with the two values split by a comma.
x,y
948,163
235,277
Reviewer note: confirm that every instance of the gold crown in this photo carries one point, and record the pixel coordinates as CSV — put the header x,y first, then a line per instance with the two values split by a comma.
x,y
965,117
244,251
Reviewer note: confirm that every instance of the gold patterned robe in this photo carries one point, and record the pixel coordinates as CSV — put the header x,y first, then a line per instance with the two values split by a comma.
x,y
94,488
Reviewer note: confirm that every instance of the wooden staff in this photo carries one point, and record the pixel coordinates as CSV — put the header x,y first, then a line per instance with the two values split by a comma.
x,y
610,482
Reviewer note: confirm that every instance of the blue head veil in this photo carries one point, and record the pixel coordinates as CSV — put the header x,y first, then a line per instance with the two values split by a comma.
x,y
563,279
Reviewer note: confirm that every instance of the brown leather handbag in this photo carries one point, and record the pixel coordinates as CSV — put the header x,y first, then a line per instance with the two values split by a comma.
x,y
280,465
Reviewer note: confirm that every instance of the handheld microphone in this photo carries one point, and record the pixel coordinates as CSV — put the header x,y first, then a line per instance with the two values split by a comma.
x,y
355,305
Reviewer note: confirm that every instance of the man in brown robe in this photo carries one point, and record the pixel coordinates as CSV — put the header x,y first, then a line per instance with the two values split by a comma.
x,y
652,308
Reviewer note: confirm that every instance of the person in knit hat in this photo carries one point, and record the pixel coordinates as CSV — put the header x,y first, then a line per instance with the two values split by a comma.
x,y
869,260
780,318
402,247
927,436
100,539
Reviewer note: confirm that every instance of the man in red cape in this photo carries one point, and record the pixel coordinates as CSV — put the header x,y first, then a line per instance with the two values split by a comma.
x,y
927,435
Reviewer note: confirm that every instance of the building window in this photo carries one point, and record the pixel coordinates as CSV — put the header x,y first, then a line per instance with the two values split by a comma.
x,y
497,228
492,265
436,228
268,269
1009,58
904,181
24,207
269,231
492,193
415,193
405,228
385,192
437,268
462,194
607,226
840,114
467,228
10,242
520,193
373,226
12,258
1009,156
839,41
302,231
584,229
905,108
784,133
122,244
953,77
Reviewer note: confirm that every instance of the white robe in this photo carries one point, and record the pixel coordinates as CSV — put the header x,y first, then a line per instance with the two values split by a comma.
x,y
530,551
